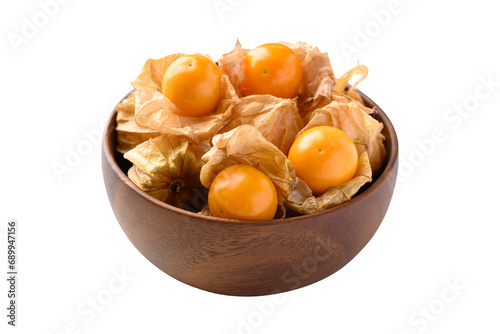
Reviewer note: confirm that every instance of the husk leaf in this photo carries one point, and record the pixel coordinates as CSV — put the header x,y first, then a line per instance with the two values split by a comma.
x,y
231,65
341,83
278,120
317,78
128,133
168,168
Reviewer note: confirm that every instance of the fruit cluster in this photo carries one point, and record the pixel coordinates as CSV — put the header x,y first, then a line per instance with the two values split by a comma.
x,y
267,132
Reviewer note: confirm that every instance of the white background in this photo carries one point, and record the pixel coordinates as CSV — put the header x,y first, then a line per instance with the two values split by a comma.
x,y
442,227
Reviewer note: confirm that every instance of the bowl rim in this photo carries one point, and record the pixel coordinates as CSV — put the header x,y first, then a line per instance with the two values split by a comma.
x,y
391,163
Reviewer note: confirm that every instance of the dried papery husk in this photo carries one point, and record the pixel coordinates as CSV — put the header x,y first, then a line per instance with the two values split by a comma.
x,y
168,168
365,132
377,153
128,133
206,211
231,65
278,120
317,78
157,112
342,82
246,145
341,98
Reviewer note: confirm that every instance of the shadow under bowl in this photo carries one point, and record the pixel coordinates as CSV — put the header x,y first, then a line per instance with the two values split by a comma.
x,y
248,258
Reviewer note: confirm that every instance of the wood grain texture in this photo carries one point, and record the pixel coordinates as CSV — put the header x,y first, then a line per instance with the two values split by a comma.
x,y
247,258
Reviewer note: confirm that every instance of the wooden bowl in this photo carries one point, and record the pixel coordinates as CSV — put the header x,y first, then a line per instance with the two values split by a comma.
x,y
244,258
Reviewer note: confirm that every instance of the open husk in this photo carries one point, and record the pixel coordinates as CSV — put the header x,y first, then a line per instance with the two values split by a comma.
x,y
168,168
317,79
157,112
302,200
364,131
246,145
128,133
